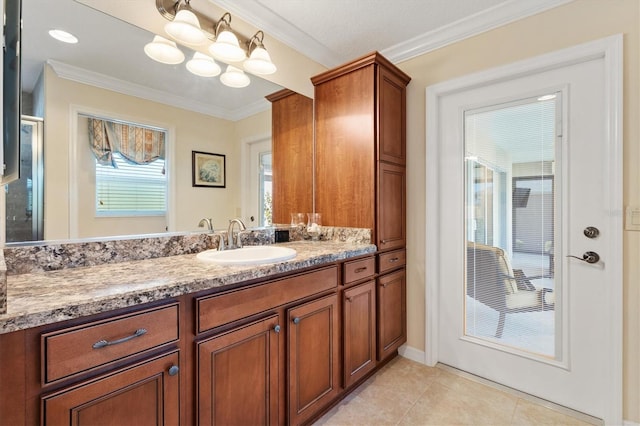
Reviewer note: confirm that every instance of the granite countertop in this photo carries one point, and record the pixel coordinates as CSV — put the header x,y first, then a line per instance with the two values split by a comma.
x,y
40,298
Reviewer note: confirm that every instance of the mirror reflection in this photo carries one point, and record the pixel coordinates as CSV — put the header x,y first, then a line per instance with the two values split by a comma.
x,y
106,75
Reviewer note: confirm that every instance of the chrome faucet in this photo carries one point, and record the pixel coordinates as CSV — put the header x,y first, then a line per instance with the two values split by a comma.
x,y
207,222
241,227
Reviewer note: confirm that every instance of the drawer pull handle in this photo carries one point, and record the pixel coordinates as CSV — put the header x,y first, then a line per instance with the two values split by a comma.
x,y
277,328
104,343
173,370
395,259
296,320
357,271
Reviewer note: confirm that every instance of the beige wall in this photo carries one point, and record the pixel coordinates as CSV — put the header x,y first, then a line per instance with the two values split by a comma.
x,y
191,132
574,23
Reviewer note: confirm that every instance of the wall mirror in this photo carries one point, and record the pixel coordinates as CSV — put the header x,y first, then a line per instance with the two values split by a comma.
x,y
106,74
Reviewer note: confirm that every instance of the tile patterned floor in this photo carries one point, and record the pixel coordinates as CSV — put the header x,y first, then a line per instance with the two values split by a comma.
x,y
405,392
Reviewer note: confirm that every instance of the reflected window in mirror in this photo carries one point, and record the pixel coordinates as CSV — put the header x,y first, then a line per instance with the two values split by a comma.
x,y
131,189
130,168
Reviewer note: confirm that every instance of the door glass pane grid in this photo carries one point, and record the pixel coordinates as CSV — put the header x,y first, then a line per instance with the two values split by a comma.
x,y
509,225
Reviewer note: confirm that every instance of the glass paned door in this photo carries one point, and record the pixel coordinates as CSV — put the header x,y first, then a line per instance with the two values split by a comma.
x,y
266,191
510,225
25,196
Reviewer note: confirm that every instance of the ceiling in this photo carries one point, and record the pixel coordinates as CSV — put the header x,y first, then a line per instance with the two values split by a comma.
x,y
330,32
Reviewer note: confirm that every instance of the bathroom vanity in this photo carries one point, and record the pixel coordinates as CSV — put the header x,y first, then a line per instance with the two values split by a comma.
x,y
172,340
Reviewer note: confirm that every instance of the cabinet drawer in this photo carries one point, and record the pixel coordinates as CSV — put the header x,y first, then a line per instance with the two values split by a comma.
x,y
73,350
359,269
214,311
391,260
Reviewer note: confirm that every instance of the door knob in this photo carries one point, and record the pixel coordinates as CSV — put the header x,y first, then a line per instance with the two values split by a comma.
x,y
588,256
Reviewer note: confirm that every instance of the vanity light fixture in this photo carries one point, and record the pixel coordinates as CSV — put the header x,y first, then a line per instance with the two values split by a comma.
x,y
259,61
191,28
203,65
63,36
164,51
185,27
234,77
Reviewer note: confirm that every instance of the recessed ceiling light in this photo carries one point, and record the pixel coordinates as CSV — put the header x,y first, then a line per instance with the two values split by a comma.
x,y
63,36
547,97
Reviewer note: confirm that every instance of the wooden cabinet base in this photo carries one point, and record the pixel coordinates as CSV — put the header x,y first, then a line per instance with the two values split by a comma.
x,y
359,328
238,376
146,393
314,357
392,313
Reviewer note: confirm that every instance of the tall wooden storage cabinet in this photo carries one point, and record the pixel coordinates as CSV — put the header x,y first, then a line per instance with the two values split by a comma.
x,y
360,159
360,119
292,154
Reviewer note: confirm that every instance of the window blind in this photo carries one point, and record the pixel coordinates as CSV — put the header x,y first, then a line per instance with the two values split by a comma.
x,y
131,189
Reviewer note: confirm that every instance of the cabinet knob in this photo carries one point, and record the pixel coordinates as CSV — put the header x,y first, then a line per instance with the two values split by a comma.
x,y
277,328
173,370
296,320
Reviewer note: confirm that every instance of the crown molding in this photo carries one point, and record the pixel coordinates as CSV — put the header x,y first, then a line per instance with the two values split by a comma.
x,y
102,81
470,26
285,31
264,18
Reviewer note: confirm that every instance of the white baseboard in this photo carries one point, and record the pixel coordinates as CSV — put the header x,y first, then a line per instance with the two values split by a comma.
x,y
630,423
412,353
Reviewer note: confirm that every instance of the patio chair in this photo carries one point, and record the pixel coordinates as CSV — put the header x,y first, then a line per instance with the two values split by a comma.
x,y
492,282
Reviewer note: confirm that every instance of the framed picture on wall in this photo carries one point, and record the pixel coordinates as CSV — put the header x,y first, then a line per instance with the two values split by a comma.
x,y
208,169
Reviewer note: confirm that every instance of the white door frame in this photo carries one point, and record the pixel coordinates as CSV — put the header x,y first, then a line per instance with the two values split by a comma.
x,y
245,170
610,49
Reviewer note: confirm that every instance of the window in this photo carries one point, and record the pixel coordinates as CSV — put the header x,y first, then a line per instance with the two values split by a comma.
x,y
131,189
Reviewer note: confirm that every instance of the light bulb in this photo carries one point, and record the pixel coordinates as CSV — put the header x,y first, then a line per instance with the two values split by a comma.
x,y
203,65
227,48
234,77
185,28
260,62
164,51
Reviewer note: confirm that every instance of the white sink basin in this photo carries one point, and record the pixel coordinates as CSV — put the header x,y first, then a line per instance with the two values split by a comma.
x,y
250,255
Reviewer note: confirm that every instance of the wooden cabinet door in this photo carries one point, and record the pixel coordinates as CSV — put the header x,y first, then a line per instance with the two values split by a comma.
x,y
392,313
345,149
314,356
146,393
238,376
359,327
292,154
391,229
391,117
